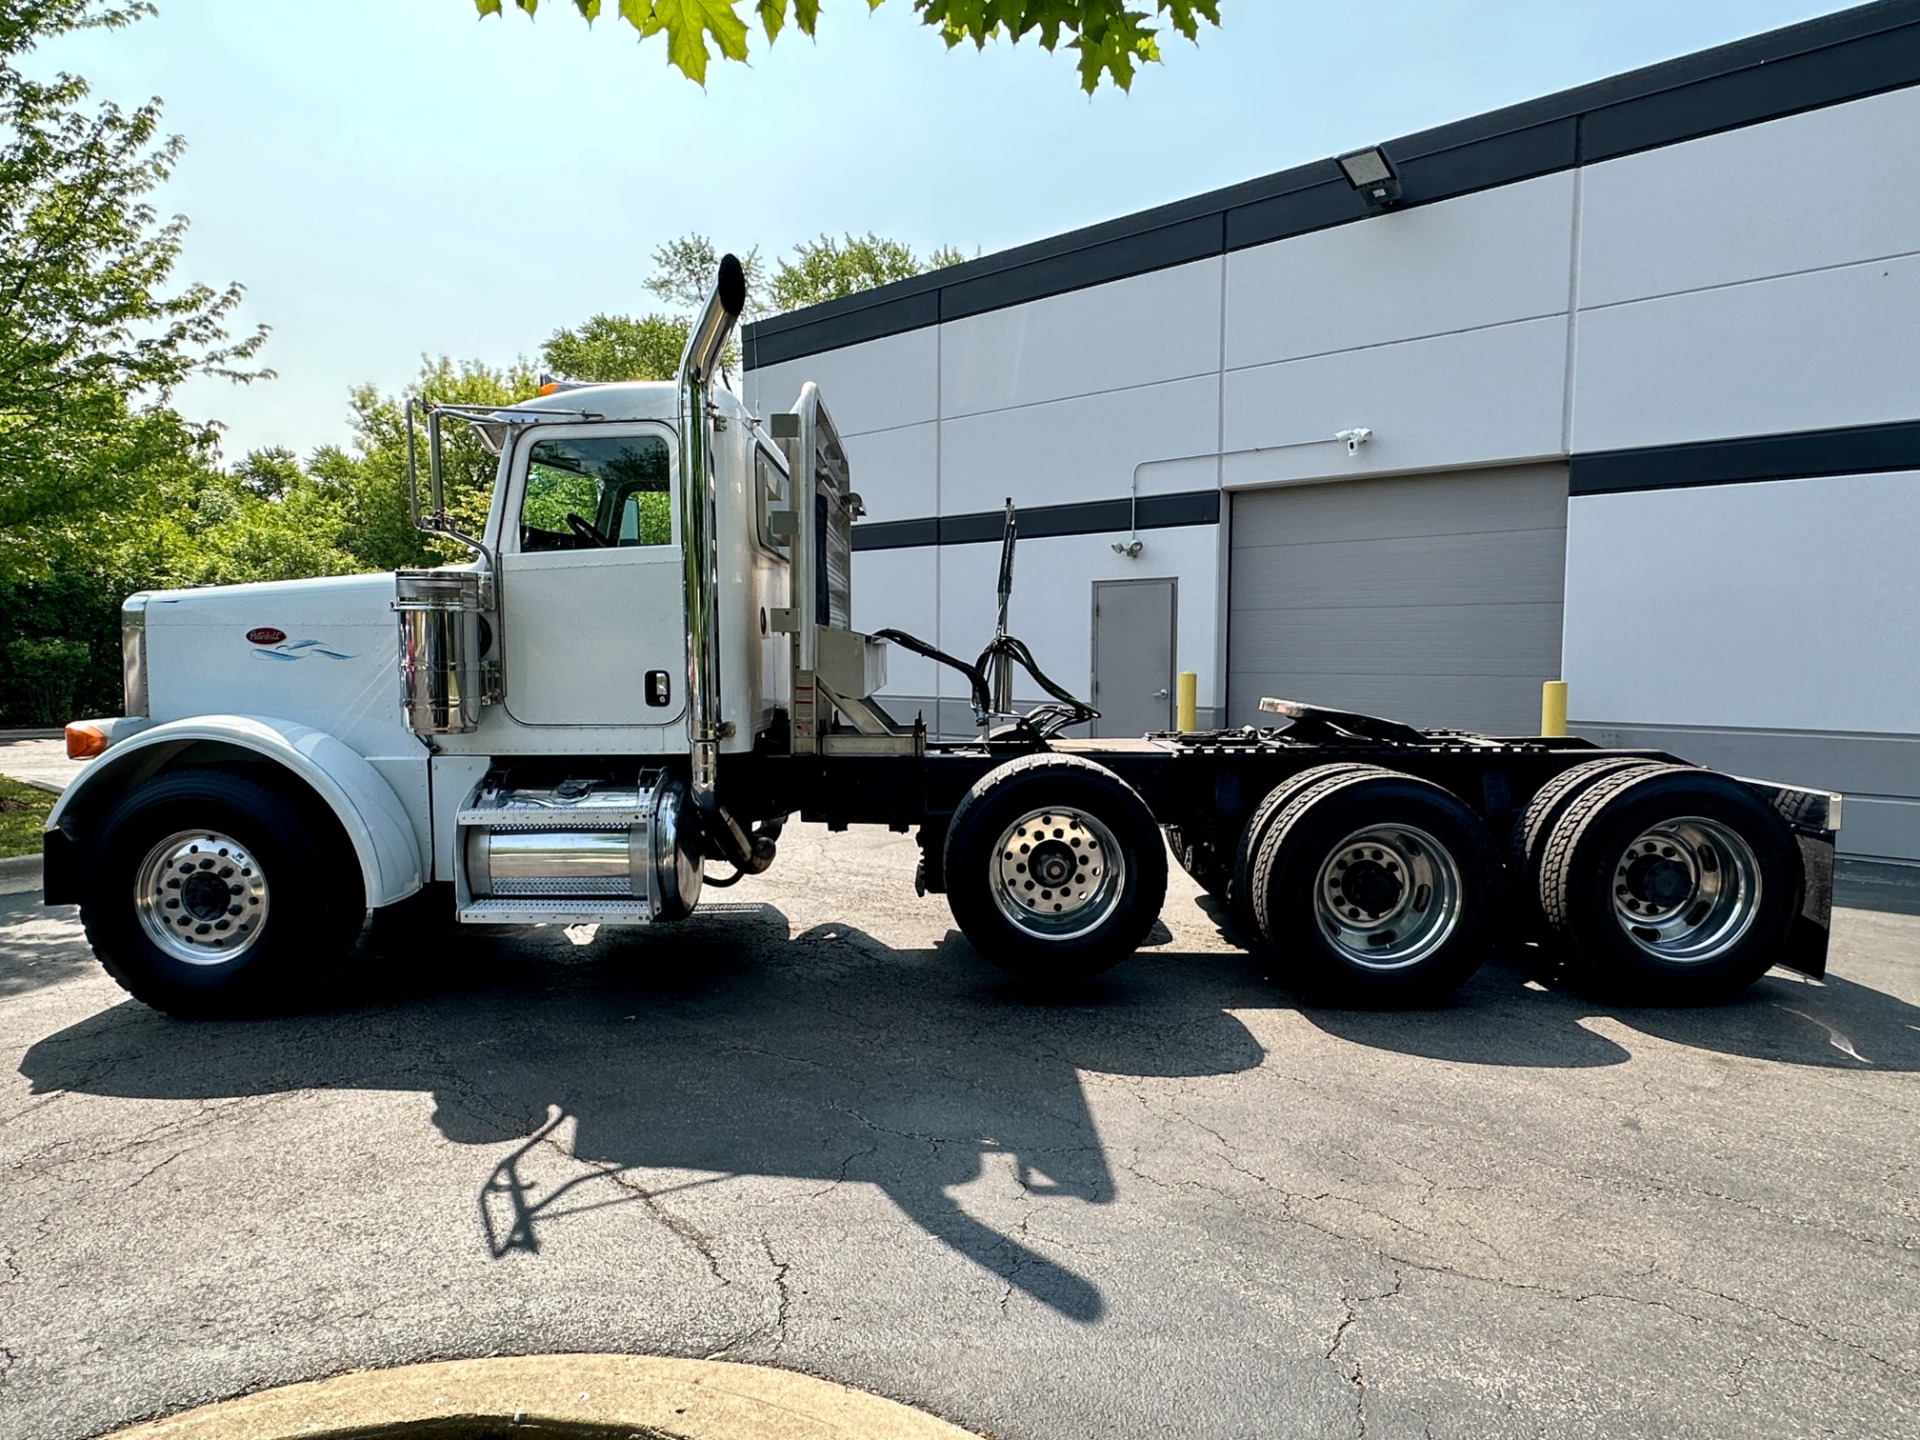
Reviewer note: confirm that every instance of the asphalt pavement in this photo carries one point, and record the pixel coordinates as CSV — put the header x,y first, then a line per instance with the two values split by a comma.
x,y
810,1128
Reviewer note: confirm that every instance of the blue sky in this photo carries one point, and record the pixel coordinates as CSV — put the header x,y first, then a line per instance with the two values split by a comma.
x,y
395,177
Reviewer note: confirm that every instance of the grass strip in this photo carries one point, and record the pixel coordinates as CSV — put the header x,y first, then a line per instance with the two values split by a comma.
x,y
23,815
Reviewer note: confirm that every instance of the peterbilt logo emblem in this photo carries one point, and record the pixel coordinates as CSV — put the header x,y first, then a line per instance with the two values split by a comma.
x,y
265,635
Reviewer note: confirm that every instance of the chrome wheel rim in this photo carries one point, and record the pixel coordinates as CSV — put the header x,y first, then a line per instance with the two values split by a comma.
x,y
201,897
1388,896
1058,874
1686,890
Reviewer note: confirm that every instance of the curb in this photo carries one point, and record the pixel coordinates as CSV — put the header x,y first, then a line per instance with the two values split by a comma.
x,y
20,867
47,785
592,1397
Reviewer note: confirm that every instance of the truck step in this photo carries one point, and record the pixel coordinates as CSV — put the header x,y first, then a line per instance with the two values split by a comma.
x,y
531,910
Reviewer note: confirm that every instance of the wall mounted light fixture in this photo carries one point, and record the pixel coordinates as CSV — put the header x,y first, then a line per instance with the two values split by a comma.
x,y
1371,174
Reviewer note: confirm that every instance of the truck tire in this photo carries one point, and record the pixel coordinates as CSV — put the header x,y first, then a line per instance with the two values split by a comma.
x,y
1264,814
205,889
1528,842
1377,888
1672,885
1055,868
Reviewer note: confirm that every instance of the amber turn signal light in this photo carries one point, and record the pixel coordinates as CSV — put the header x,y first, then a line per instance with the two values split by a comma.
x,y
85,741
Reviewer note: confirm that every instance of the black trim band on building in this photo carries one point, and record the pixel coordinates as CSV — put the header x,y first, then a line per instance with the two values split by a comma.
x,y
1089,517
1853,450
1827,61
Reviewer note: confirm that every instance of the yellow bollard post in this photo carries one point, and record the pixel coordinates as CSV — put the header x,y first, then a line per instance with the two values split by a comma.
x,y
1187,709
1553,708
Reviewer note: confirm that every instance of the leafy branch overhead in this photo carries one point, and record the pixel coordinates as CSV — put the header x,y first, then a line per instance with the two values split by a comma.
x,y
1110,37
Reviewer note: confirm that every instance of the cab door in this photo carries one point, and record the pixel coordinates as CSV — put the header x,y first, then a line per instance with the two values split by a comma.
x,y
591,601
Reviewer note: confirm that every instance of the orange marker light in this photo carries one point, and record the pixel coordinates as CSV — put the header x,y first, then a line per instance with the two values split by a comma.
x,y
550,387
85,741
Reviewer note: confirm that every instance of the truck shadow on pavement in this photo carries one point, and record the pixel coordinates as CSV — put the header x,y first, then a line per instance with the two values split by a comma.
x,y
1521,1010
1515,1012
645,1064
721,1047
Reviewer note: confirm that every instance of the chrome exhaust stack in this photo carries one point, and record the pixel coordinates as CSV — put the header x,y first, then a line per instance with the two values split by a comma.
x,y
699,557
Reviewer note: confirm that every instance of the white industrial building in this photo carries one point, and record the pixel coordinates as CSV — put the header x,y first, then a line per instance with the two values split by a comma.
x,y
1639,371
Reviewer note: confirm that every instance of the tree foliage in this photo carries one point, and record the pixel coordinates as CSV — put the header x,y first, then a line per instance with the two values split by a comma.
x,y
1110,38
827,269
623,347
369,480
618,347
683,272
93,339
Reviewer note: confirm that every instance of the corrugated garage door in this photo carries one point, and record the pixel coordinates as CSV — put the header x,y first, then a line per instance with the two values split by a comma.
x,y
1433,599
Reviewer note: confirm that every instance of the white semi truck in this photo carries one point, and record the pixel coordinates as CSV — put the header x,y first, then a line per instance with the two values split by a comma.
x,y
649,665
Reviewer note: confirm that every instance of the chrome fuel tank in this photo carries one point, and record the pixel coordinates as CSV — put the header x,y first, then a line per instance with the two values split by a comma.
x,y
580,850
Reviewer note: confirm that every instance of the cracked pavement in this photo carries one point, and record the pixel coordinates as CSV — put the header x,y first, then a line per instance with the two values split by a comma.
x,y
810,1128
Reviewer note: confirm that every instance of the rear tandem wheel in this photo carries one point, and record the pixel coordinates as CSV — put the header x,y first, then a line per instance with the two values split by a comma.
x,y
1671,885
1374,887
1527,845
1265,813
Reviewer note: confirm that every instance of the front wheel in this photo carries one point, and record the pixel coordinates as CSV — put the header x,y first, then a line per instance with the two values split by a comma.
x,y
205,889
1054,867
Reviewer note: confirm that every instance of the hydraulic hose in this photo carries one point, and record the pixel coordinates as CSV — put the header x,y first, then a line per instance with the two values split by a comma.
x,y
1046,721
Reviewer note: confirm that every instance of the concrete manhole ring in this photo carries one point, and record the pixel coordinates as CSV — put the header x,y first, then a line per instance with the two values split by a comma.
x,y
556,1397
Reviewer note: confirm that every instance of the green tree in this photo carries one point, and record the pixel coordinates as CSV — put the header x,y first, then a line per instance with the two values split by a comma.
x,y
618,347
93,340
621,347
369,480
826,269
185,523
272,472
1110,37
683,272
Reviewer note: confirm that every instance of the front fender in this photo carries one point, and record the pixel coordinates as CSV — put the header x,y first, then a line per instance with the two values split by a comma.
x,y
391,866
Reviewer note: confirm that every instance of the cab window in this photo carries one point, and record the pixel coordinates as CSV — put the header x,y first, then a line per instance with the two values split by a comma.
x,y
770,485
597,492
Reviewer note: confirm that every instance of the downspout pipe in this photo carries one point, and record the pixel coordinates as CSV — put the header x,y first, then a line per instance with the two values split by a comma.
x,y
699,552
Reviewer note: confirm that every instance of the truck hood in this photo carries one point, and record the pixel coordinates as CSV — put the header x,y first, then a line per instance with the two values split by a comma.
x,y
285,605
322,652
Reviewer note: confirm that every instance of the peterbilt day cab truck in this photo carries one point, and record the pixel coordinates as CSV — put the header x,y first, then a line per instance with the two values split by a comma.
x,y
649,665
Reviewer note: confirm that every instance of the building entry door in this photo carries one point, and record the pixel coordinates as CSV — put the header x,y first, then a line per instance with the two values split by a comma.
x,y
1133,656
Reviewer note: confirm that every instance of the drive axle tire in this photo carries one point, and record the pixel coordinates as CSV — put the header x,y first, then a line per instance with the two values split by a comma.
x,y
1528,842
1672,885
1055,868
1247,850
205,889
1377,888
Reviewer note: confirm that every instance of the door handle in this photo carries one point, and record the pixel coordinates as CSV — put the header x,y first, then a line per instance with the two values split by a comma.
x,y
1160,694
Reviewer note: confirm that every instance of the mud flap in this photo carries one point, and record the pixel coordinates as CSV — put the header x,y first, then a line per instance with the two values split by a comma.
x,y
1805,947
